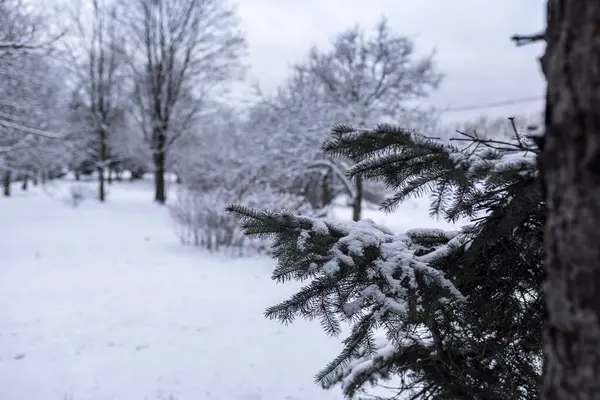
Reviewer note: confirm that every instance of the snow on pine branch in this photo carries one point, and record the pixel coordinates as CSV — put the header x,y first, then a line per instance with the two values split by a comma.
x,y
360,273
357,266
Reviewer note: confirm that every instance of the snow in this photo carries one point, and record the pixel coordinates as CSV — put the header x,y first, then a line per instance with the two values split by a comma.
x,y
101,302
385,352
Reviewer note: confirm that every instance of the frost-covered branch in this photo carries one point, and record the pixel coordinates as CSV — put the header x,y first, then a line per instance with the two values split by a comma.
x,y
38,132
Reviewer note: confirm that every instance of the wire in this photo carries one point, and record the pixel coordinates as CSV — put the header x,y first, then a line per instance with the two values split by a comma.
x,y
495,104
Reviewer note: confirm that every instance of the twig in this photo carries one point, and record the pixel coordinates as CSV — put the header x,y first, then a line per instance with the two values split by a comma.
x,y
494,144
522,40
515,130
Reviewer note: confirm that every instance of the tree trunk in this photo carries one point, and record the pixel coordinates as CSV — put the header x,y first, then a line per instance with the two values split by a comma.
x,y
77,176
101,169
357,201
110,175
160,195
136,174
101,185
6,181
570,166
25,183
326,196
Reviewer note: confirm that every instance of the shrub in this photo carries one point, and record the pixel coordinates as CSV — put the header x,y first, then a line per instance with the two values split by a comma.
x,y
201,219
77,194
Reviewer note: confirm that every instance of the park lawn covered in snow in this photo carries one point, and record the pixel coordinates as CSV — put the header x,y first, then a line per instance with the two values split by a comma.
x,y
101,302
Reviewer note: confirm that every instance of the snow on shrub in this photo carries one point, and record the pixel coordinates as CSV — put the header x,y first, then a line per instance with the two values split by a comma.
x,y
201,219
72,195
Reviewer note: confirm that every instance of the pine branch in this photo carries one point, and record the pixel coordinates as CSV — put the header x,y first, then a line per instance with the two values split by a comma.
x,y
357,270
448,303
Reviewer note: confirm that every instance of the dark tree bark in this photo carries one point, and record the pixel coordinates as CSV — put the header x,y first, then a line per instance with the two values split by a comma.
x,y
327,196
25,183
160,194
136,174
357,201
570,165
6,181
101,169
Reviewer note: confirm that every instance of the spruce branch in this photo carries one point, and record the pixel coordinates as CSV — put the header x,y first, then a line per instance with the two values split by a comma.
x,y
360,273
459,311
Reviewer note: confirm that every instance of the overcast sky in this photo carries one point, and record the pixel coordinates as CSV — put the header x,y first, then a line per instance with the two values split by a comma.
x,y
471,38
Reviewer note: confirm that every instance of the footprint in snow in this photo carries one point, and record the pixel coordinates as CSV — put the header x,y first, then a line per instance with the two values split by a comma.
x,y
20,356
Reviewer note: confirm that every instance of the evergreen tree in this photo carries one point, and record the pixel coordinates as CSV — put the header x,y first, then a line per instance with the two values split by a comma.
x,y
459,312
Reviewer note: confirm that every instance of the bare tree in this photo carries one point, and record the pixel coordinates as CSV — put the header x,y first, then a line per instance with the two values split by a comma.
x,y
370,78
97,59
570,165
191,48
28,100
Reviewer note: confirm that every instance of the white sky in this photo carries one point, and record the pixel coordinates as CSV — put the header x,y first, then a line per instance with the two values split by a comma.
x,y
471,38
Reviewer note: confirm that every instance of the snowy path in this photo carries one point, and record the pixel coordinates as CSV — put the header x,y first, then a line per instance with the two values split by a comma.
x,y
101,302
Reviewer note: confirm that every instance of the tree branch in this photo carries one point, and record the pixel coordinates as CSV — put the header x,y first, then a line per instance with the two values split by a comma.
x,y
522,40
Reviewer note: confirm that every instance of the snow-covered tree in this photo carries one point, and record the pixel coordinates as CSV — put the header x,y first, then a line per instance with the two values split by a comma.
x,y
96,58
30,103
20,30
366,78
128,149
216,153
361,79
222,162
432,314
290,126
191,50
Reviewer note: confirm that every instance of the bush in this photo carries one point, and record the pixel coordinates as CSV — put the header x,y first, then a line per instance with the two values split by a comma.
x,y
77,194
201,219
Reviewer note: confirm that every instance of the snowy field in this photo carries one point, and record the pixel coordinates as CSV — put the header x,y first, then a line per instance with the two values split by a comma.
x,y
101,302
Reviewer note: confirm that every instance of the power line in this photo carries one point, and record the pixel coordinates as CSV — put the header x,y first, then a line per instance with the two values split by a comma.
x,y
521,100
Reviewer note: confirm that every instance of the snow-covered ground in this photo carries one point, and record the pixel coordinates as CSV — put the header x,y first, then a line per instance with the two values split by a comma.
x,y
101,302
